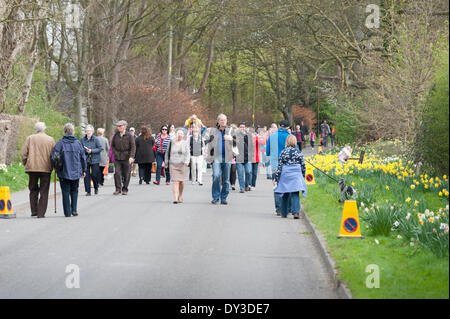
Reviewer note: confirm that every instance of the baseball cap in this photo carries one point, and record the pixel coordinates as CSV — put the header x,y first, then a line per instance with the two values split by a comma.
x,y
284,124
132,129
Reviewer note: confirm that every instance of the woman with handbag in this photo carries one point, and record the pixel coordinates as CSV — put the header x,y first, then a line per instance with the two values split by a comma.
x,y
160,147
93,148
145,155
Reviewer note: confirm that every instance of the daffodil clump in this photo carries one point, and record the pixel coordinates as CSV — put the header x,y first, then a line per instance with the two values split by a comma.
x,y
405,214
393,167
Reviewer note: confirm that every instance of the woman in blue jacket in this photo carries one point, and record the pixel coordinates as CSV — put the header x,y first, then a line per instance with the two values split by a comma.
x,y
289,177
93,148
74,168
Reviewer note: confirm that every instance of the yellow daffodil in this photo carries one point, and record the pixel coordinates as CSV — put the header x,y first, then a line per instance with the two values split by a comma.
x,y
387,187
413,186
408,199
440,194
431,220
416,203
421,222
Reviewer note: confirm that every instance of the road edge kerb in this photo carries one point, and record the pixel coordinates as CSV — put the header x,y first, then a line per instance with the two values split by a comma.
x,y
341,288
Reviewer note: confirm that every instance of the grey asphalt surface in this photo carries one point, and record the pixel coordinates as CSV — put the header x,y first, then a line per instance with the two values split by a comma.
x,y
143,246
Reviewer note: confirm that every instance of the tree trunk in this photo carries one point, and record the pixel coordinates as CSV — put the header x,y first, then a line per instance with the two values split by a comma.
x,y
208,64
234,84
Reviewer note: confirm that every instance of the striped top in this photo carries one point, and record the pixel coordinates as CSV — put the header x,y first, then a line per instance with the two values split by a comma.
x,y
165,143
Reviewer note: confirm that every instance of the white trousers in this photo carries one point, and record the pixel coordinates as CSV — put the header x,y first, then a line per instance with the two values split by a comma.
x,y
197,167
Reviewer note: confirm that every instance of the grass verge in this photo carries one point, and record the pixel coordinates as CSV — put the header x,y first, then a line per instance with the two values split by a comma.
x,y
406,272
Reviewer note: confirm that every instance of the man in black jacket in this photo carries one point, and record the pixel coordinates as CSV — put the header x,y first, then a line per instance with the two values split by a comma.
x,y
124,150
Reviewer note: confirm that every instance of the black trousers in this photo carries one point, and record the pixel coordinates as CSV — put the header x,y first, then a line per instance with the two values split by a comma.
x,y
122,175
92,172
145,172
39,185
233,174
101,178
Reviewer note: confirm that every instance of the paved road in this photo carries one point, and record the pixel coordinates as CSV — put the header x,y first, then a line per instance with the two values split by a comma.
x,y
143,246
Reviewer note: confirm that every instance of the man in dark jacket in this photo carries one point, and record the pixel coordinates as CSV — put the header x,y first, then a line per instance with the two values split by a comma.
x,y
93,148
74,168
124,149
145,155
245,157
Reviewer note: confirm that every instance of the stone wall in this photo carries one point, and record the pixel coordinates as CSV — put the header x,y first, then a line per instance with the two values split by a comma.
x,y
5,130
14,130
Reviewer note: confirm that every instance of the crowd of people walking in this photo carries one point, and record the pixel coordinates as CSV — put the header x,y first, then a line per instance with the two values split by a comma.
x,y
233,152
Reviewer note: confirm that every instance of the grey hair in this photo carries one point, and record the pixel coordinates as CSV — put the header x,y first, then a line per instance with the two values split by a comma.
x,y
182,129
69,129
40,127
89,126
220,116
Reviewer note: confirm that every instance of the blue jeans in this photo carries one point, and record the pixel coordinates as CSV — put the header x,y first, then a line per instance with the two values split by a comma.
x,y
278,199
254,174
244,182
290,199
159,161
69,190
218,170
268,169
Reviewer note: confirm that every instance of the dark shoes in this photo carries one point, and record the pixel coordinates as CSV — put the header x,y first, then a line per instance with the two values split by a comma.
x,y
296,216
233,188
140,181
224,202
88,194
215,202
74,214
278,213
96,191
41,217
241,191
247,189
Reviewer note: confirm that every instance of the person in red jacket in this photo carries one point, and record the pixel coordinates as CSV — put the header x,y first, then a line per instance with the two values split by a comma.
x,y
298,134
258,142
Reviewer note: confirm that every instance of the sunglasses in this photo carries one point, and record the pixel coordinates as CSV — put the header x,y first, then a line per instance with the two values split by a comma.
x,y
164,129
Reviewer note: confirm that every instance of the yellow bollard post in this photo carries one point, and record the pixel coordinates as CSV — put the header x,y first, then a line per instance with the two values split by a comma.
x,y
6,210
350,227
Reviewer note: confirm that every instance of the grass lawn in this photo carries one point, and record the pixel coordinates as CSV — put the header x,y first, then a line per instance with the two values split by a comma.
x,y
405,271
15,177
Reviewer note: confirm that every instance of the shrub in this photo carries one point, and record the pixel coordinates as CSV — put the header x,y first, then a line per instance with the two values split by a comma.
x,y
432,142
381,217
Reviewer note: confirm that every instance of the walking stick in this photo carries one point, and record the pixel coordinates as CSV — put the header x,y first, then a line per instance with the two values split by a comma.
x,y
55,189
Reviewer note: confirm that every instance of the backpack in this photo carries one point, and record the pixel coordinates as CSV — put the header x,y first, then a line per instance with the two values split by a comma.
x,y
57,159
